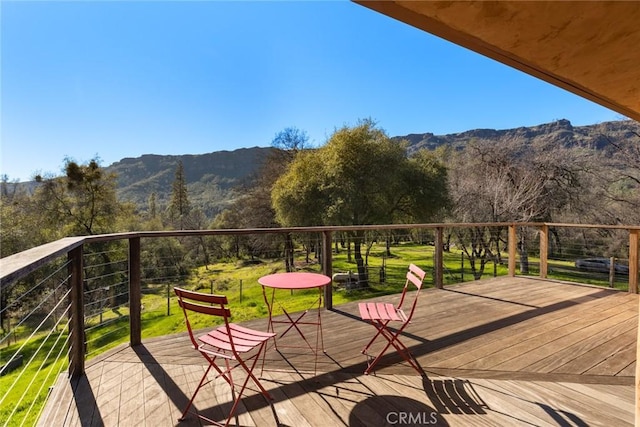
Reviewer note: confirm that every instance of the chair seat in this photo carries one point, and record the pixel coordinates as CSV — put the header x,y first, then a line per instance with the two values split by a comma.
x,y
381,311
244,339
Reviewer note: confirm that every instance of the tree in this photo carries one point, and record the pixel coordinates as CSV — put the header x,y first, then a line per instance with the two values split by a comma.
x,y
253,208
619,176
289,142
82,202
21,226
505,182
179,205
153,206
359,177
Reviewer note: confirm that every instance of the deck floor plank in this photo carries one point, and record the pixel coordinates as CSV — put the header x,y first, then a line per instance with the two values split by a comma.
x,y
132,396
622,363
300,386
591,349
551,343
59,403
521,352
629,371
504,408
109,392
595,403
486,344
486,401
295,409
85,407
156,401
615,397
560,406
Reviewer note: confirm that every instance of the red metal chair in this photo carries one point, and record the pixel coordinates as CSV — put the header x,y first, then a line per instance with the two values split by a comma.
x,y
383,315
236,345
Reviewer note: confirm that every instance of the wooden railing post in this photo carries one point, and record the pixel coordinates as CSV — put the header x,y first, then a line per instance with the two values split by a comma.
x,y
135,293
544,250
77,350
327,269
512,249
438,260
634,238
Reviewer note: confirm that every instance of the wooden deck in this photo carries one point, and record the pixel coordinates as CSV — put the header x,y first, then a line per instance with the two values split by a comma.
x,y
500,352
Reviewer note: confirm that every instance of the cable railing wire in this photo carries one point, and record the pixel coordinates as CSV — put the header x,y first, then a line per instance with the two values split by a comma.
x,y
25,343
97,349
105,276
101,325
103,264
46,380
23,295
103,302
35,376
35,309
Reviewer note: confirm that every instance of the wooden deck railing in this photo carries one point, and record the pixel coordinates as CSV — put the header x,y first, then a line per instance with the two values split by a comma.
x,y
17,266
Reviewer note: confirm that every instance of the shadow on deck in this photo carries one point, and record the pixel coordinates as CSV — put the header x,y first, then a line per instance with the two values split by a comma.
x,y
506,351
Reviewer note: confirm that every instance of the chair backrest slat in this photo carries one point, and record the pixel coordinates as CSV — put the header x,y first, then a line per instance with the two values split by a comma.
x,y
201,297
415,276
205,309
414,279
197,302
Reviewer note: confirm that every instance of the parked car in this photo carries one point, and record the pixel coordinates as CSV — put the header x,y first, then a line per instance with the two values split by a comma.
x,y
600,265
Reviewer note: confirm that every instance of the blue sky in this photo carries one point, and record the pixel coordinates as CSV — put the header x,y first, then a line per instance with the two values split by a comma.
x,y
120,79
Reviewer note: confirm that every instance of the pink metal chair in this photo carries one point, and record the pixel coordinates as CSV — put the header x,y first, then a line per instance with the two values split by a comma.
x,y
383,315
236,345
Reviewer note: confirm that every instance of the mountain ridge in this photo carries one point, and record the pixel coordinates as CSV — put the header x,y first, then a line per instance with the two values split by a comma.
x,y
212,178
561,131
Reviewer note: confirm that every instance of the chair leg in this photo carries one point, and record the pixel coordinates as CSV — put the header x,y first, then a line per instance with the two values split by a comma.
x,y
236,395
379,326
202,383
393,339
375,361
255,380
404,352
233,395
250,375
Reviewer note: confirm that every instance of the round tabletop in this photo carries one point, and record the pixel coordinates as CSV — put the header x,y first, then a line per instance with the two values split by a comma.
x,y
295,280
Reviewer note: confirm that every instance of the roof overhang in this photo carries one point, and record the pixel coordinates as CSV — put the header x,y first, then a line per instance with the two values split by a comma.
x,y
589,48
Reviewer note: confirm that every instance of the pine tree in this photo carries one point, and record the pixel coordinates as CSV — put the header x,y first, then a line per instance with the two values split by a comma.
x,y
153,202
179,205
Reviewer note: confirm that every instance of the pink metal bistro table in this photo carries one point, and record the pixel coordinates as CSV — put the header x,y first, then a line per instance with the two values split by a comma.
x,y
295,281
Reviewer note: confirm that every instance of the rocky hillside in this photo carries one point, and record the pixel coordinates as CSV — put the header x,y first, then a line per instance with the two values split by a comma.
x,y
211,177
560,132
